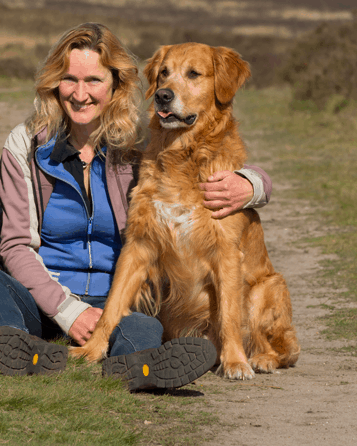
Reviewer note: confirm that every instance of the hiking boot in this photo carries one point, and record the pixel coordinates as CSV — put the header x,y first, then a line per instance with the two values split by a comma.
x,y
23,354
174,364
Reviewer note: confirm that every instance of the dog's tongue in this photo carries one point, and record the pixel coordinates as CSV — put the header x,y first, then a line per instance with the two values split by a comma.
x,y
164,115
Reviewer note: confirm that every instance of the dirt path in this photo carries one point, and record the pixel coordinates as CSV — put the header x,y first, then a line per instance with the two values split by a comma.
x,y
315,402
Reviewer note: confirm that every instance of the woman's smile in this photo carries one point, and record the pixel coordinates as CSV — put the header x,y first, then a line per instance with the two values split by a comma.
x,y
79,107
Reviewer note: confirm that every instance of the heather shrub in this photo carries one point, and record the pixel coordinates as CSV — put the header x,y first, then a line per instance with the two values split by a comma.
x,y
21,62
322,66
16,67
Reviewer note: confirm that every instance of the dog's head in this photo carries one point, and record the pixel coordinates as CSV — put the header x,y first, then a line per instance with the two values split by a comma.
x,y
190,79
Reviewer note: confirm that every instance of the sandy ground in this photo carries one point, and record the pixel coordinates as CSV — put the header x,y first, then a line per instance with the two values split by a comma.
x,y
313,403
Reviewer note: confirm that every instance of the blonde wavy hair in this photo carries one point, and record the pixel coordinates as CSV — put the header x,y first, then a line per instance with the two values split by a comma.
x,y
120,119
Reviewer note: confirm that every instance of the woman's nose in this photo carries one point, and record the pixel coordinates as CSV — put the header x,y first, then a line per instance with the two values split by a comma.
x,y
80,93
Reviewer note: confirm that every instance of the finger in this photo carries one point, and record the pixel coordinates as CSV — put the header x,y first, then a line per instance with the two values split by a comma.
x,y
218,204
81,342
217,195
81,335
99,315
93,324
90,329
87,336
78,338
220,175
221,213
217,186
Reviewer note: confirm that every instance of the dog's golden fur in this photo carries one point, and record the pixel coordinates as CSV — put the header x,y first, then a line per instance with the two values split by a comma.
x,y
213,277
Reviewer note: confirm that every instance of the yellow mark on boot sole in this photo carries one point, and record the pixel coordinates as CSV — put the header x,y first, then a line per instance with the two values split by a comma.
x,y
145,370
35,359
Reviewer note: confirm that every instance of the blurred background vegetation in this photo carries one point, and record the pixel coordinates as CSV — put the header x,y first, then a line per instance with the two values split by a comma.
x,y
311,45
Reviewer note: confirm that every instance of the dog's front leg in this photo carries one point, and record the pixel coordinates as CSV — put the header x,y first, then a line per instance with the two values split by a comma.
x,y
130,274
228,318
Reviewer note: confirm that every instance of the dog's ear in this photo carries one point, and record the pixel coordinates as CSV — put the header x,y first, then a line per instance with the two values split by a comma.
x,y
230,73
151,70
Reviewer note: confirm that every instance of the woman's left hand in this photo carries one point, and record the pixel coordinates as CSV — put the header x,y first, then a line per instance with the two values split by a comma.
x,y
83,327
226,192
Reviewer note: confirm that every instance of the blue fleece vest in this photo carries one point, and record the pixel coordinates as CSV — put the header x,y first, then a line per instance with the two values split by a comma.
x,y
80,249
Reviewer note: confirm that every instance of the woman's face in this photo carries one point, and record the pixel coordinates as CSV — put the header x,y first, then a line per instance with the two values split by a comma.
x,y
86,88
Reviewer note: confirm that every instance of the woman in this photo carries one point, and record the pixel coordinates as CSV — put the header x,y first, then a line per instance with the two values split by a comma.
x,y
65,179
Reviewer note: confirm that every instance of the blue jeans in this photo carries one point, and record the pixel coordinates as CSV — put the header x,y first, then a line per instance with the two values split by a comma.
x,y
18,309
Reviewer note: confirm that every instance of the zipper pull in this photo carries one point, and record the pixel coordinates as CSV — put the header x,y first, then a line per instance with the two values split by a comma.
x,y
89,230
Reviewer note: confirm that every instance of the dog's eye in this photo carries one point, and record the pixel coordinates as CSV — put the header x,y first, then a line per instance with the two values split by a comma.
x,y
164,73
192,74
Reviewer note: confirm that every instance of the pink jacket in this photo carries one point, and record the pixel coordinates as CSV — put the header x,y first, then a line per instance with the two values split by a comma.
x,y
20,185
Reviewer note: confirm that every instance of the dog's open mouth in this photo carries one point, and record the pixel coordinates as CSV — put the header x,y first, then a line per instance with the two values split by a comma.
x,y
171,117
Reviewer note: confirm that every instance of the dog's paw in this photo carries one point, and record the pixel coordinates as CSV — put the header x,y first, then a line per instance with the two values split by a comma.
x,y
264,363
77,352
94,355
239,370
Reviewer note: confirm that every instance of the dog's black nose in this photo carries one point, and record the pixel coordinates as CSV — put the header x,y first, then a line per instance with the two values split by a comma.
x,y
164,96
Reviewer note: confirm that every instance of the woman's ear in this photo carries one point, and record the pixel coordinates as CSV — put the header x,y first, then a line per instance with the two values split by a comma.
x,y
230,73
151,70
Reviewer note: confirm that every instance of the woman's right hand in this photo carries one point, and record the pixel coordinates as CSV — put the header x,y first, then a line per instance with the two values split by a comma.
x,y
83,327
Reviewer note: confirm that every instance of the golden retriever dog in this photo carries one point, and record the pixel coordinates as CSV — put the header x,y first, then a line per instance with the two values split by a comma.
x,y
212,277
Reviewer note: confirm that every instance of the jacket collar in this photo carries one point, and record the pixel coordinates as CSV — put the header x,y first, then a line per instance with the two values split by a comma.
x,y
58,149
62,148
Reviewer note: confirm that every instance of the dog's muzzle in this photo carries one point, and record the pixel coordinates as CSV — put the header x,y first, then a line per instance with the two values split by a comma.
x,y
163,100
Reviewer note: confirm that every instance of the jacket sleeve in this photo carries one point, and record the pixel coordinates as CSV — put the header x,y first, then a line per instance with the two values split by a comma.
x,y
262,185
20,239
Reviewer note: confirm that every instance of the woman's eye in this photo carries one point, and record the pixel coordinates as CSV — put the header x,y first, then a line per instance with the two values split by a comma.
x,y
192,74
95,81
68,79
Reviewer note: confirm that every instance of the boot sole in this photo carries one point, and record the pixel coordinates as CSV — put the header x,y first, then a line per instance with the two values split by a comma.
x,y
175,364
21,355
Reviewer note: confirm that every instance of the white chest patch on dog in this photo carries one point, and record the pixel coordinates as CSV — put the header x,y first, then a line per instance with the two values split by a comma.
x,y
178,218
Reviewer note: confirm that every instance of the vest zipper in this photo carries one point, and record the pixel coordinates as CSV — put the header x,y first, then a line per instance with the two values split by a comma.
x,y
89,232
